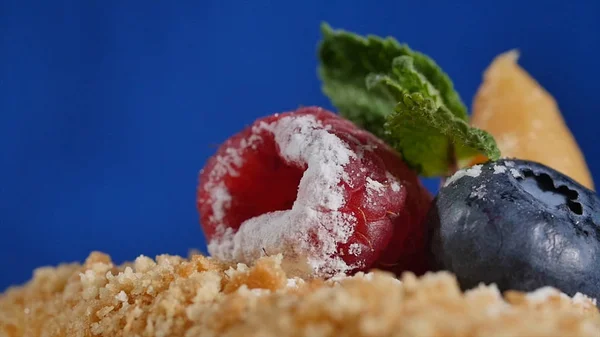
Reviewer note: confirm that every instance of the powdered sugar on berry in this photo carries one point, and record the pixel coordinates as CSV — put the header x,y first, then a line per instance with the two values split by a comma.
x,y
499,169
479,192
228,164
395,185
515,173
474,172
374,185
221,202
309,233
355,249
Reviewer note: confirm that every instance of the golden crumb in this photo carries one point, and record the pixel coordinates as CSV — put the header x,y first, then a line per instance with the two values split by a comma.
x,y
199,296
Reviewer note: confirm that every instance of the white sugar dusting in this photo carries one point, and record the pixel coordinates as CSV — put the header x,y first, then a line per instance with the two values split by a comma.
x,y
374,185
479,192
474,172
227,164
303,140
394,185
374,190
515,173
221,201
309,233
499,169
354,249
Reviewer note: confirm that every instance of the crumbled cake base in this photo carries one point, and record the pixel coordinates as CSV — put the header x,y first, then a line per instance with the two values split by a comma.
x,y
200,296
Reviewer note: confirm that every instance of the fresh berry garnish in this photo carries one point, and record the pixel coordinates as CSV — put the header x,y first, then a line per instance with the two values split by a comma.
x,y
520,225
330,197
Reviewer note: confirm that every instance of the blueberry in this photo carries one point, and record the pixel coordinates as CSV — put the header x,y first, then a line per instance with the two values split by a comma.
x,y
520,225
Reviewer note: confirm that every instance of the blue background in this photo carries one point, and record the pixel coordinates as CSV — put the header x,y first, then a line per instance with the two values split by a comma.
x,y
108,111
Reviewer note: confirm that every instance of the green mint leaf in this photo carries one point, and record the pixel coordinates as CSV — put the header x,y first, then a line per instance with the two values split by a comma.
x,y
427,134
346,59
402,96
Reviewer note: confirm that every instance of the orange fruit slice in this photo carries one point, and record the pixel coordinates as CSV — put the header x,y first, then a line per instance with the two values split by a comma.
x,y
525,119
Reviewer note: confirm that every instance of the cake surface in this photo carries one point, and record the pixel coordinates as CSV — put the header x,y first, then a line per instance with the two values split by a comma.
x,y
201,296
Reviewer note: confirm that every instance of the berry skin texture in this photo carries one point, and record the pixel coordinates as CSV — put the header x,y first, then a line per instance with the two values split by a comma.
x,y
330,197
520,225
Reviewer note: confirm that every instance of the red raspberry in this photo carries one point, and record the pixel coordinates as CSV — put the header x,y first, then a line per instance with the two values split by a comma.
x,y
332,198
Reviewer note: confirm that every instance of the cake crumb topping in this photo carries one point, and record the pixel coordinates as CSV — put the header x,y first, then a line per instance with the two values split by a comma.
x,y
202,296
